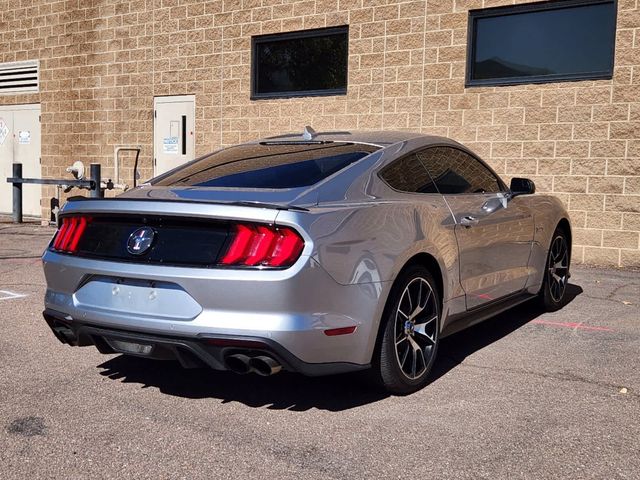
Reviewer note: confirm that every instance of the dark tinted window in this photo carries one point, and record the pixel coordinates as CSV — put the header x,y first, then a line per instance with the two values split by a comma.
x,y
274,165
408,175
311,62
455,171
541,42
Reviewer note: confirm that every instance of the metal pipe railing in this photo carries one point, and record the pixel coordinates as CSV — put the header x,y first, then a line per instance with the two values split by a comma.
x,y
93,185
116,164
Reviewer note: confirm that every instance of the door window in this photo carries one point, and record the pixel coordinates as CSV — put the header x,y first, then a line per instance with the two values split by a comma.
x,y
455,171
408,174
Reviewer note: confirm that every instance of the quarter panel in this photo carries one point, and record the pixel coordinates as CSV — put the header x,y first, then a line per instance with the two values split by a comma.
x,y
547,211
368,244
371,242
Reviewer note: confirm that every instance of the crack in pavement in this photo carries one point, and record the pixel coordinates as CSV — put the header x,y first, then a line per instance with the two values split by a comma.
x,y
562,376
606,299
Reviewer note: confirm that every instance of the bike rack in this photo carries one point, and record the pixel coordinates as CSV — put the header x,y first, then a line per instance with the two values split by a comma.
x,y
93,185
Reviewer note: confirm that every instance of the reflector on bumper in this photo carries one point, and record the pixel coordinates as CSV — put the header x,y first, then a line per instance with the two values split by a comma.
x,y
130,347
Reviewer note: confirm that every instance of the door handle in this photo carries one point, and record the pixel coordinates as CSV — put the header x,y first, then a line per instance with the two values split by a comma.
x,y
469,221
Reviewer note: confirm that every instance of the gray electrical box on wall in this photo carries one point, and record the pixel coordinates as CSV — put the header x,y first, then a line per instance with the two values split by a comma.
x,y
173,132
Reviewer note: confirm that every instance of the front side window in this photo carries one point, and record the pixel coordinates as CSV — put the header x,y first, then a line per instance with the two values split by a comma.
x,y
455,171
267,165
541,42
309,62
407,174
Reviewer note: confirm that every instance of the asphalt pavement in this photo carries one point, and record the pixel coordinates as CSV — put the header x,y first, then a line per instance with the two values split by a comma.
x,y
523,395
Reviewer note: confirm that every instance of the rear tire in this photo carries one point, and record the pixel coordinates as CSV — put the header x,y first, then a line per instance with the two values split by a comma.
x,y
410,333
553,295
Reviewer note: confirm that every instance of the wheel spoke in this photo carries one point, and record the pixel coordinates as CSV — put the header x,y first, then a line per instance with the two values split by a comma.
x,y
416,353
414,362
421,329
416,312
424,361
420,308
405,355
408,294
413,343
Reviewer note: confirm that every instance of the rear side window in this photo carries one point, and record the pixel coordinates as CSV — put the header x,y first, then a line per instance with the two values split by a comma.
x,y
267,165
408,175
455,171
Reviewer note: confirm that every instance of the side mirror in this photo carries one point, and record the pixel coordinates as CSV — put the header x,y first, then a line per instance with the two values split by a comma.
x,y
522,186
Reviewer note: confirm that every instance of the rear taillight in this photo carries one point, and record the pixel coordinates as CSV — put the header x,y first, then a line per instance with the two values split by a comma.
x,y
70,233
262,245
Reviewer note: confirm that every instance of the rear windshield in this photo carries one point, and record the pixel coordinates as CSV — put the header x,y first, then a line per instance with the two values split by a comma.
x,y
267,165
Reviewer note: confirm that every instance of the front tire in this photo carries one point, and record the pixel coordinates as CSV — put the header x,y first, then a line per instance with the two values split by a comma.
x,y
410,333
553,295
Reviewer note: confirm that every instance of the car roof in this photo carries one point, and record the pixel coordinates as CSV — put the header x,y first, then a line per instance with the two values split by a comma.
x,y
382,138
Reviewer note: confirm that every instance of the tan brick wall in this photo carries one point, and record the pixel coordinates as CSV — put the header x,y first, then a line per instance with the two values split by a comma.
x,y
579,140
103,61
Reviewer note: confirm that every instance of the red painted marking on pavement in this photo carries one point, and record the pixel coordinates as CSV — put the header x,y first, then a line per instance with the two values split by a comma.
x,y
573,325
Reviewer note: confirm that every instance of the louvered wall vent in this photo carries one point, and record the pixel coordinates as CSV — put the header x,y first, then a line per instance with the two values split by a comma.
x,y
19,77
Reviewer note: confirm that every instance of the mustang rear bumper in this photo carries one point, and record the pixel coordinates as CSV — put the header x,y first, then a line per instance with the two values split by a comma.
x,y
291,308
204,350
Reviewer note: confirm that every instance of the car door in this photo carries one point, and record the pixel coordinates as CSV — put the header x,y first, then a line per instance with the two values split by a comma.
x,y
494,233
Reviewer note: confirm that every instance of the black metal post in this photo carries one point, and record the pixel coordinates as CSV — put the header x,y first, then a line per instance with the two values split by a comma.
x,y
17,194
96,177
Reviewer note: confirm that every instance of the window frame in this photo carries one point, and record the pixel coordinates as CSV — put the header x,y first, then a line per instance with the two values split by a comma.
x,y
504,11
299,34
501,184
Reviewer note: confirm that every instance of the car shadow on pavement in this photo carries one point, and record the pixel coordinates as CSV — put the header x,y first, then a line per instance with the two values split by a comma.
x,y
455,348
299,393
282,391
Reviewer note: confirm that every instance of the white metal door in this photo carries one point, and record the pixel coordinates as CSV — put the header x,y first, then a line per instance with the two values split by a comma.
x,y
20,143
173,131
6,159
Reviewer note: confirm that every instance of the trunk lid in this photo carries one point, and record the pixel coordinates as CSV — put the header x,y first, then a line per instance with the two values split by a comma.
x,y
290,198
182,233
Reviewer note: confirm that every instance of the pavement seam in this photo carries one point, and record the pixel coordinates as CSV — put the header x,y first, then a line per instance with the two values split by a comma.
x,y
566,377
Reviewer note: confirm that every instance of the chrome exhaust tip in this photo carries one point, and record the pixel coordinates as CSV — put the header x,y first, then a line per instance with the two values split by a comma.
x,y
264,365
238,363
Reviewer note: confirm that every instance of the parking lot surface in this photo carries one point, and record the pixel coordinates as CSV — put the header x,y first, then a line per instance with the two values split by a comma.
x,y
523,395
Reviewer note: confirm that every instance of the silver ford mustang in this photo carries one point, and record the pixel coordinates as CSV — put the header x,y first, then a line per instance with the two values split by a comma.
x,y
321,253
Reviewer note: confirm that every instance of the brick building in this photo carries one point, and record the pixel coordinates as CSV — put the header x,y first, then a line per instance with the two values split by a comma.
x,y
103,65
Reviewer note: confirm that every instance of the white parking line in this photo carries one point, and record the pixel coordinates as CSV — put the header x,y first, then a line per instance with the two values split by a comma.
x,y
7,295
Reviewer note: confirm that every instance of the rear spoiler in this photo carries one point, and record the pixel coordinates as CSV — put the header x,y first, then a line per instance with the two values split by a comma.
x,y
275,206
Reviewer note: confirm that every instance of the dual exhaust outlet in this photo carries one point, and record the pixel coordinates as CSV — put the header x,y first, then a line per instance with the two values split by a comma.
x,y
262,365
